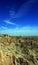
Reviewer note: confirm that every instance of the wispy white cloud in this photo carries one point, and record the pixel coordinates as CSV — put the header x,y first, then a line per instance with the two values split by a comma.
x,y
12,13
23,31
9,22
23,10
3,27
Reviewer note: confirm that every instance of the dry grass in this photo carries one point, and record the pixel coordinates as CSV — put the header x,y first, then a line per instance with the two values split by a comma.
x,y
18,50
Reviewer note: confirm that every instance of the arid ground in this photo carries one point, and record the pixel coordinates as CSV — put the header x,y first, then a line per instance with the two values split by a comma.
x,y
18,50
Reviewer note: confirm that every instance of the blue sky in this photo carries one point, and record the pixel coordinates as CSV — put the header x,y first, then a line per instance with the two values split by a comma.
x,y
19,17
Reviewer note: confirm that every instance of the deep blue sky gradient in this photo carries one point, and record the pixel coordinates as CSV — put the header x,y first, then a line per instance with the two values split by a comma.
x,y
16,15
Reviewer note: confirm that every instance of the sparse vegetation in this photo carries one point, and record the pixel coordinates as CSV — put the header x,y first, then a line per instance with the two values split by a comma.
x,y
18,50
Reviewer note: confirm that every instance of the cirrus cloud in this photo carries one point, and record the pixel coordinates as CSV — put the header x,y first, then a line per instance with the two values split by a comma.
x,y
23,9
9,22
